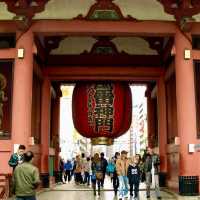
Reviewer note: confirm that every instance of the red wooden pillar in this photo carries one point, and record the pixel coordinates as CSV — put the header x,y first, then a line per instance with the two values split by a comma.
x,y
162,123
45,131
150,117
186,107
56,133
22,91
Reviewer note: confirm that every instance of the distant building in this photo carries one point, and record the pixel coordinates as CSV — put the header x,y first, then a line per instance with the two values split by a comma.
x,y
143,124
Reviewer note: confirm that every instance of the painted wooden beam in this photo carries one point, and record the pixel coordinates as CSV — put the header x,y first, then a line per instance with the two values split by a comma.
x,y
77,73
195,30
196,54
114,28
8,26
104,60
8,53
85,28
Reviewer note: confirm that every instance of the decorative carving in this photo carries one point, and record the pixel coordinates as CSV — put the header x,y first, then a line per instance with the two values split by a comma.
x,y
25,10
104,46
183,10
52,42
155,43
3,98
105,10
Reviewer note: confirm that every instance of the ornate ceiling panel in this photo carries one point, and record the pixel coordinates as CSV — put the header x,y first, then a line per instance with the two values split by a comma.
x,y
133,46
68,9
143,9
4,14
65,9
74,45
197,17
129,45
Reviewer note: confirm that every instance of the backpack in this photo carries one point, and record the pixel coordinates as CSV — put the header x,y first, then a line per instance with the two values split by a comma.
x,y
110,168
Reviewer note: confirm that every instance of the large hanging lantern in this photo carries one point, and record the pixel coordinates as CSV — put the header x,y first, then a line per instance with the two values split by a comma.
x,y
102,111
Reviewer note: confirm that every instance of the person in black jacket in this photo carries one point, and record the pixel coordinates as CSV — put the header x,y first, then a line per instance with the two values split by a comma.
x,y
151,168
104,164
115,176
134,176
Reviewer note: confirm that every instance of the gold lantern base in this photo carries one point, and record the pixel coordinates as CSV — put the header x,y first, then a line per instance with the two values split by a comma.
x,y
102,141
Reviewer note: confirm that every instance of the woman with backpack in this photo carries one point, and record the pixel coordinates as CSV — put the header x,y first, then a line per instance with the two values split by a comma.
x,y
97,173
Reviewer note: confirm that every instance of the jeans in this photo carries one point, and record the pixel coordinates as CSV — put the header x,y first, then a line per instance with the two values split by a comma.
x,y
26,198
136,188
87,178
94,182
115,183
68,175
123,186
78,178
148,183
102,181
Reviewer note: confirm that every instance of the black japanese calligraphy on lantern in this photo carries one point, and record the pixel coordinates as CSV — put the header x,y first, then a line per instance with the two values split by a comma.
x,y
91,93
103,107
100,107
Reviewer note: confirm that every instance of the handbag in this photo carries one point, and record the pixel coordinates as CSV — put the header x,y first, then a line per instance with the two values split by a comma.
x,y
93,177
99,175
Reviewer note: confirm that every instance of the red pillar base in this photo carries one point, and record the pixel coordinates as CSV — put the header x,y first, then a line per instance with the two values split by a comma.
x,y
45,180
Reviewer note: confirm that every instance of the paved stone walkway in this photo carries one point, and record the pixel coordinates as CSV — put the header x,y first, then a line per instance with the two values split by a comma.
x,y
70,191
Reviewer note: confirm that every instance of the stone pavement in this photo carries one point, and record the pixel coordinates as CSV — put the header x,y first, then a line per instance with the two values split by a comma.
x,y
70,191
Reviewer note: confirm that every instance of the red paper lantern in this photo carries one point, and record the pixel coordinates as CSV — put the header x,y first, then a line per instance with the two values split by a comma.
x,y
102,111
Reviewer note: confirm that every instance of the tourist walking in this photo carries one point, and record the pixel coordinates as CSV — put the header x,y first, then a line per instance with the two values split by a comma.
x,y
61,170
115,176
97,173
78,170
122,168
104,165
151,167
83,162
87,168
26,179
68,170
134,177
111,168
18,157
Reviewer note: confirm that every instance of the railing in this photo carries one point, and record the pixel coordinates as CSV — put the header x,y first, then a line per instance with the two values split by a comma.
x,y
4,186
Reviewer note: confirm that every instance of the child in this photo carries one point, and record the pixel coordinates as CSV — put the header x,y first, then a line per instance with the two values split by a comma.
x,y
134,176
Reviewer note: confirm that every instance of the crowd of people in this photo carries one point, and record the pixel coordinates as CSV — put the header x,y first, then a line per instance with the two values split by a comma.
x,y
126,173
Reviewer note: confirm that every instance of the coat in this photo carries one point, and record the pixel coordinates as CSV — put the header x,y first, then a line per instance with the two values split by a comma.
x,y
152,160
122,167
133,174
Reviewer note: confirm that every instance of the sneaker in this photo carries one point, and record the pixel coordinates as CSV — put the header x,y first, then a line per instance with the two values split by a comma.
x,y
159,197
